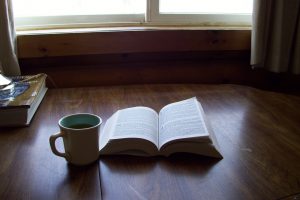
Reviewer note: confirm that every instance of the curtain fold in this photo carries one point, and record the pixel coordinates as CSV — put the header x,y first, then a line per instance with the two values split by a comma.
x,y
8,57
276,35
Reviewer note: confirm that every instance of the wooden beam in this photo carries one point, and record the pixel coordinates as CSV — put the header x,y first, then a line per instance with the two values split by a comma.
x,y
131,41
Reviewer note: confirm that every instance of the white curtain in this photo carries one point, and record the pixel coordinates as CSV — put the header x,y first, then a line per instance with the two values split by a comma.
x,y
276,35
8,58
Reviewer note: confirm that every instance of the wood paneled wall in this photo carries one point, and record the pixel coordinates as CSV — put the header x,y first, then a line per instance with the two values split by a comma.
x,y
76,59
137,56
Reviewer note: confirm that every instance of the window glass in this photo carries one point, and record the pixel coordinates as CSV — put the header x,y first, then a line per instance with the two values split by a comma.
x,y
31,8
205,6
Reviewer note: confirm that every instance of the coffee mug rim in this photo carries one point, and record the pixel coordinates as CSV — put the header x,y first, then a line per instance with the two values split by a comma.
x,y
73,129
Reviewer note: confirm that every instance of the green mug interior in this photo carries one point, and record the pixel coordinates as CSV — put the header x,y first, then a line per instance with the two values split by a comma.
x,y
80,121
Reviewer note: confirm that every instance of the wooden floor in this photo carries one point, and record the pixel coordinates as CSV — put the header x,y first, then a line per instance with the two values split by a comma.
x,y
258,133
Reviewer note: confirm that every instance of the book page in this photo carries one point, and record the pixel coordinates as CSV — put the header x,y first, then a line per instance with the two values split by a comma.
x,y
136,122
106,131
181,120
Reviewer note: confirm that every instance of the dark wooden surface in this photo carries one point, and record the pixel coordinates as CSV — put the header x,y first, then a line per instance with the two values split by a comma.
x,y
145,68
36,45
258,133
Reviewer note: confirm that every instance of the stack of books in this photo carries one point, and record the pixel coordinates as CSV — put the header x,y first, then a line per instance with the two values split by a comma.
x,y
20,100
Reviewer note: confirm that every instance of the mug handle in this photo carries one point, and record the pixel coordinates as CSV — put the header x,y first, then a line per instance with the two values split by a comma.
x,y
52,140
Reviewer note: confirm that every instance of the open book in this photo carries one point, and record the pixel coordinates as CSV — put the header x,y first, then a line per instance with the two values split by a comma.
x,y
178,127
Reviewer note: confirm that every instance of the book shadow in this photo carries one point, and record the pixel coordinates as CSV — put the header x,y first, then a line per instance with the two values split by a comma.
x,y
189,164
178,163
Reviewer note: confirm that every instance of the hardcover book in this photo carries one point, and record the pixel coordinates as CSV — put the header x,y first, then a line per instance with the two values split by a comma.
x,y
20,100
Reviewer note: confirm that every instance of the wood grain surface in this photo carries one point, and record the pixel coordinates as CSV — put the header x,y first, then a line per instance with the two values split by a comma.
x,y
258,133
130,41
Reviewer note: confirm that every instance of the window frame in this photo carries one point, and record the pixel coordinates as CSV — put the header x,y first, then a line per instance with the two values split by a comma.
x,y
48,22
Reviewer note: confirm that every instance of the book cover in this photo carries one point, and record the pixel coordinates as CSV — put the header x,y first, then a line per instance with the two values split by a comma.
x,y
22,91
20,99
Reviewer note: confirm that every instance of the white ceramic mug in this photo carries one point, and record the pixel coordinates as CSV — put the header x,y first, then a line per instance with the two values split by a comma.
x,y
80,133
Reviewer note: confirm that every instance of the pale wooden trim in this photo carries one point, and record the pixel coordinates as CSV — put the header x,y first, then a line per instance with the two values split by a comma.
x,y
50,22
127,27
130,41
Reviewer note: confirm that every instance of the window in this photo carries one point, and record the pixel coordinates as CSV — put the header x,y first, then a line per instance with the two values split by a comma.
x,y
53,13
56,13
207,12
